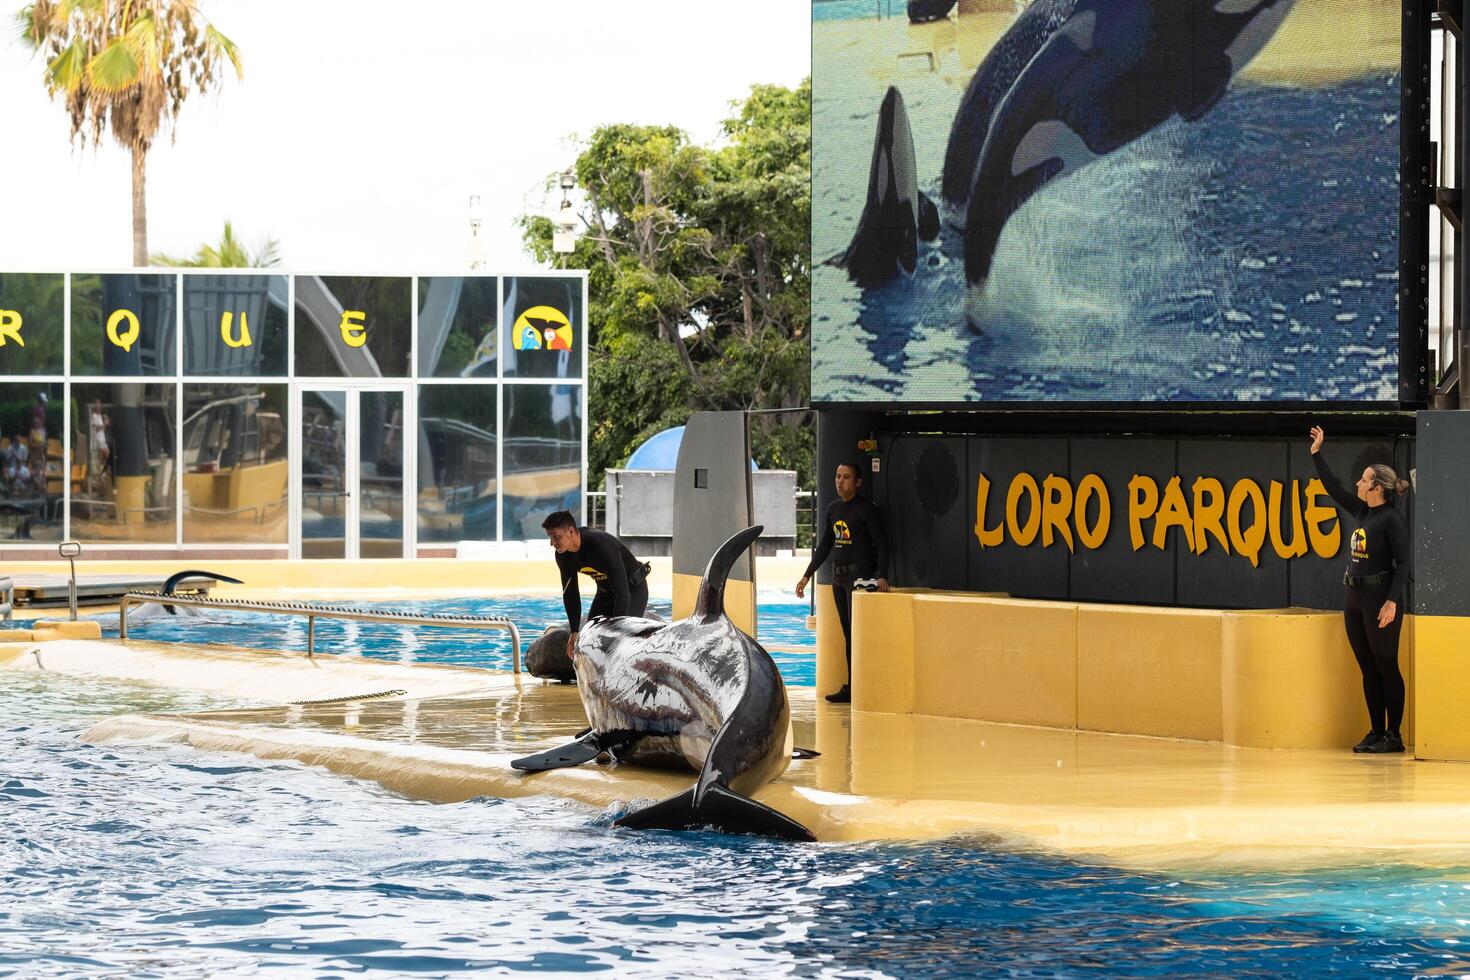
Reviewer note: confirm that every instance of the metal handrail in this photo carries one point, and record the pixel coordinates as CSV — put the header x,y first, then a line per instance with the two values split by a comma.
x,y
312,611
7,599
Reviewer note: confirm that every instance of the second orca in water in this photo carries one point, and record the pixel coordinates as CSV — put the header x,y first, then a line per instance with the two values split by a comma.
x,y
897,214
697,694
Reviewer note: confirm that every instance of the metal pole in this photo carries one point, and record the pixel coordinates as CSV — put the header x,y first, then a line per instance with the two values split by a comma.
x,y
69,550
122,618
311,636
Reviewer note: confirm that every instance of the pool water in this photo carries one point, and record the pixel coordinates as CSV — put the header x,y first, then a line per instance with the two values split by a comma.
x,y
781,623
160,860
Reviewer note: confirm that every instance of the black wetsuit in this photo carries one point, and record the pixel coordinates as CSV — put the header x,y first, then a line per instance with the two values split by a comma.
x,y
1378,569
854,536
622,580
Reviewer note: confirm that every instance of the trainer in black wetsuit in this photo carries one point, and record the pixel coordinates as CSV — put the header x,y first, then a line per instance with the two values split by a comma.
x,y
1378,569
853,535
622,580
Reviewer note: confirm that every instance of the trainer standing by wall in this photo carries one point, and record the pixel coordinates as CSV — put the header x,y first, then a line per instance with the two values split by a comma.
x,y
622,580
854,536
1378,569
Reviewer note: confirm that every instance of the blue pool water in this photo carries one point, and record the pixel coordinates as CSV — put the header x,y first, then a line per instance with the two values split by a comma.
x,y
135,860
782,623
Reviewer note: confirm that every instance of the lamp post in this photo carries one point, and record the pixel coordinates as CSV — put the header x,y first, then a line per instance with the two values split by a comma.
x,y
564,237
477,241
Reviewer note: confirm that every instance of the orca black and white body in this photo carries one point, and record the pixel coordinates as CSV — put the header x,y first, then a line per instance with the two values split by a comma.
x,y
1102,75
896,215
698,695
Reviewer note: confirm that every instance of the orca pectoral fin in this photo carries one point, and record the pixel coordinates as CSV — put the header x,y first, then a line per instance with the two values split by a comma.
x,y
723,809
928,219
800,753
587,746
571,754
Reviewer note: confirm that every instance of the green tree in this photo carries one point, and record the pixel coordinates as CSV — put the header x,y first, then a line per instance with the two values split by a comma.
x,y
699,277
126,66
228,253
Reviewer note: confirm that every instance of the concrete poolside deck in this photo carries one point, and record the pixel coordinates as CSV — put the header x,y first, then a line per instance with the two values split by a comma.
x,y
1125,800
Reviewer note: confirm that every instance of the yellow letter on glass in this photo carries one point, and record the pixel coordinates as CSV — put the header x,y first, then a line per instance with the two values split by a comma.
x,y
988,537
128,337
354,331
10,327
224,331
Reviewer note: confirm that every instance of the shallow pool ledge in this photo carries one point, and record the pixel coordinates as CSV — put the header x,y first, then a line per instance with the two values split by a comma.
x,y
1122,800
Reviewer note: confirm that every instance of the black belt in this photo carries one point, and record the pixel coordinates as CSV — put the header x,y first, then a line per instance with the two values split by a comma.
x,y
1358,581
850,567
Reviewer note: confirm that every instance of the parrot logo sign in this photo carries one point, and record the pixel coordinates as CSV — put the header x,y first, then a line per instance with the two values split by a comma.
x,y
542,328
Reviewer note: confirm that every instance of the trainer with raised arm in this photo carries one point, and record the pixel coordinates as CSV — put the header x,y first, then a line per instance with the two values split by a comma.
x,y
622,580
1378,569
854,536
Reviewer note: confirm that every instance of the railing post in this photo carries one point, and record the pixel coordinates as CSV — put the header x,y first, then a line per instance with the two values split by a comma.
x,y
69,550
311,636
122,618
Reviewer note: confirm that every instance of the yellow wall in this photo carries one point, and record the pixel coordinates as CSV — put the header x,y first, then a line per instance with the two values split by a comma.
x,y
1269,679
1442,688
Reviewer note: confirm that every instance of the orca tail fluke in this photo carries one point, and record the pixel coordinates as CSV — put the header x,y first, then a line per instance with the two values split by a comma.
x,y
711,601
721,808
173,580
928,218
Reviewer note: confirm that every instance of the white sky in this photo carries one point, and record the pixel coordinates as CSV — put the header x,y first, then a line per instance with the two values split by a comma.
x,y
362,127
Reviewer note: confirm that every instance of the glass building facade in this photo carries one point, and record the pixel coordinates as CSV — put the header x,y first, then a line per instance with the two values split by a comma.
x,y
277,414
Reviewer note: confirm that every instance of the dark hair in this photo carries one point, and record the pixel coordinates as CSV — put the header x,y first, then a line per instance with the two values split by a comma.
x,y
1386,479
558,519
857,474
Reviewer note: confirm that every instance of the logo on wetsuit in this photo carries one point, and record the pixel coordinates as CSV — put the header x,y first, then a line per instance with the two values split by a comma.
x,y
1359,544
842,532
592,573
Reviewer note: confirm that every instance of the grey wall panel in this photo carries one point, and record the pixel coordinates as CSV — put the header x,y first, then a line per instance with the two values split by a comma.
x,y
1115,572
1442,545
1213,577
927,507
711,491
1034,572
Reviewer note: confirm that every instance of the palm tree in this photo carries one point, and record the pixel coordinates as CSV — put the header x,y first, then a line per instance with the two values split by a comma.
x,y
230,253
125,65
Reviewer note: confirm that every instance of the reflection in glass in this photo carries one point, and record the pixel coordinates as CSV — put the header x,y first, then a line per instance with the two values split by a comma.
x,y
235,469
123,324
122,472
380,474
31,469
543,456
235,325
352,327
457,327
456,463
323,474
544,324
32,317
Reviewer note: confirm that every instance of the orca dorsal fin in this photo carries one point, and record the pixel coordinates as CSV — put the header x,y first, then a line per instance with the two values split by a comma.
x,y
711,602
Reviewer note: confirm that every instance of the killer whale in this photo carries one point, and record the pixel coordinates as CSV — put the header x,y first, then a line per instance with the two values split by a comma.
x,y
1110,72
896,214
697,694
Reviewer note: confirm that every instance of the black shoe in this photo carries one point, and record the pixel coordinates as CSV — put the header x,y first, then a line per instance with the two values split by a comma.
x,y
843,696
1368,742
1390,742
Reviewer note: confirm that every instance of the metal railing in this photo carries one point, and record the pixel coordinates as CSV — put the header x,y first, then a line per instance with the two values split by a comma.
x,y
313,612
7,600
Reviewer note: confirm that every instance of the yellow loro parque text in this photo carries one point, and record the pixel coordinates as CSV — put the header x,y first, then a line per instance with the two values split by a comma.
x,y
1240,520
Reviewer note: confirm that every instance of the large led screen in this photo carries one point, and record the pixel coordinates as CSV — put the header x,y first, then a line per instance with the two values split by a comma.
x,y
1105,201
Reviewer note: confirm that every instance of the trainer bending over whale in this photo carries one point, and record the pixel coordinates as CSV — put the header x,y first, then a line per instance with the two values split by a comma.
x,y
1378,568
855,538
622,580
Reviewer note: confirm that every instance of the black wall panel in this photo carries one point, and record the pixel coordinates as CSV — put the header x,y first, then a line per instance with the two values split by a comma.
x,y
1443,498
927,501
1115,572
